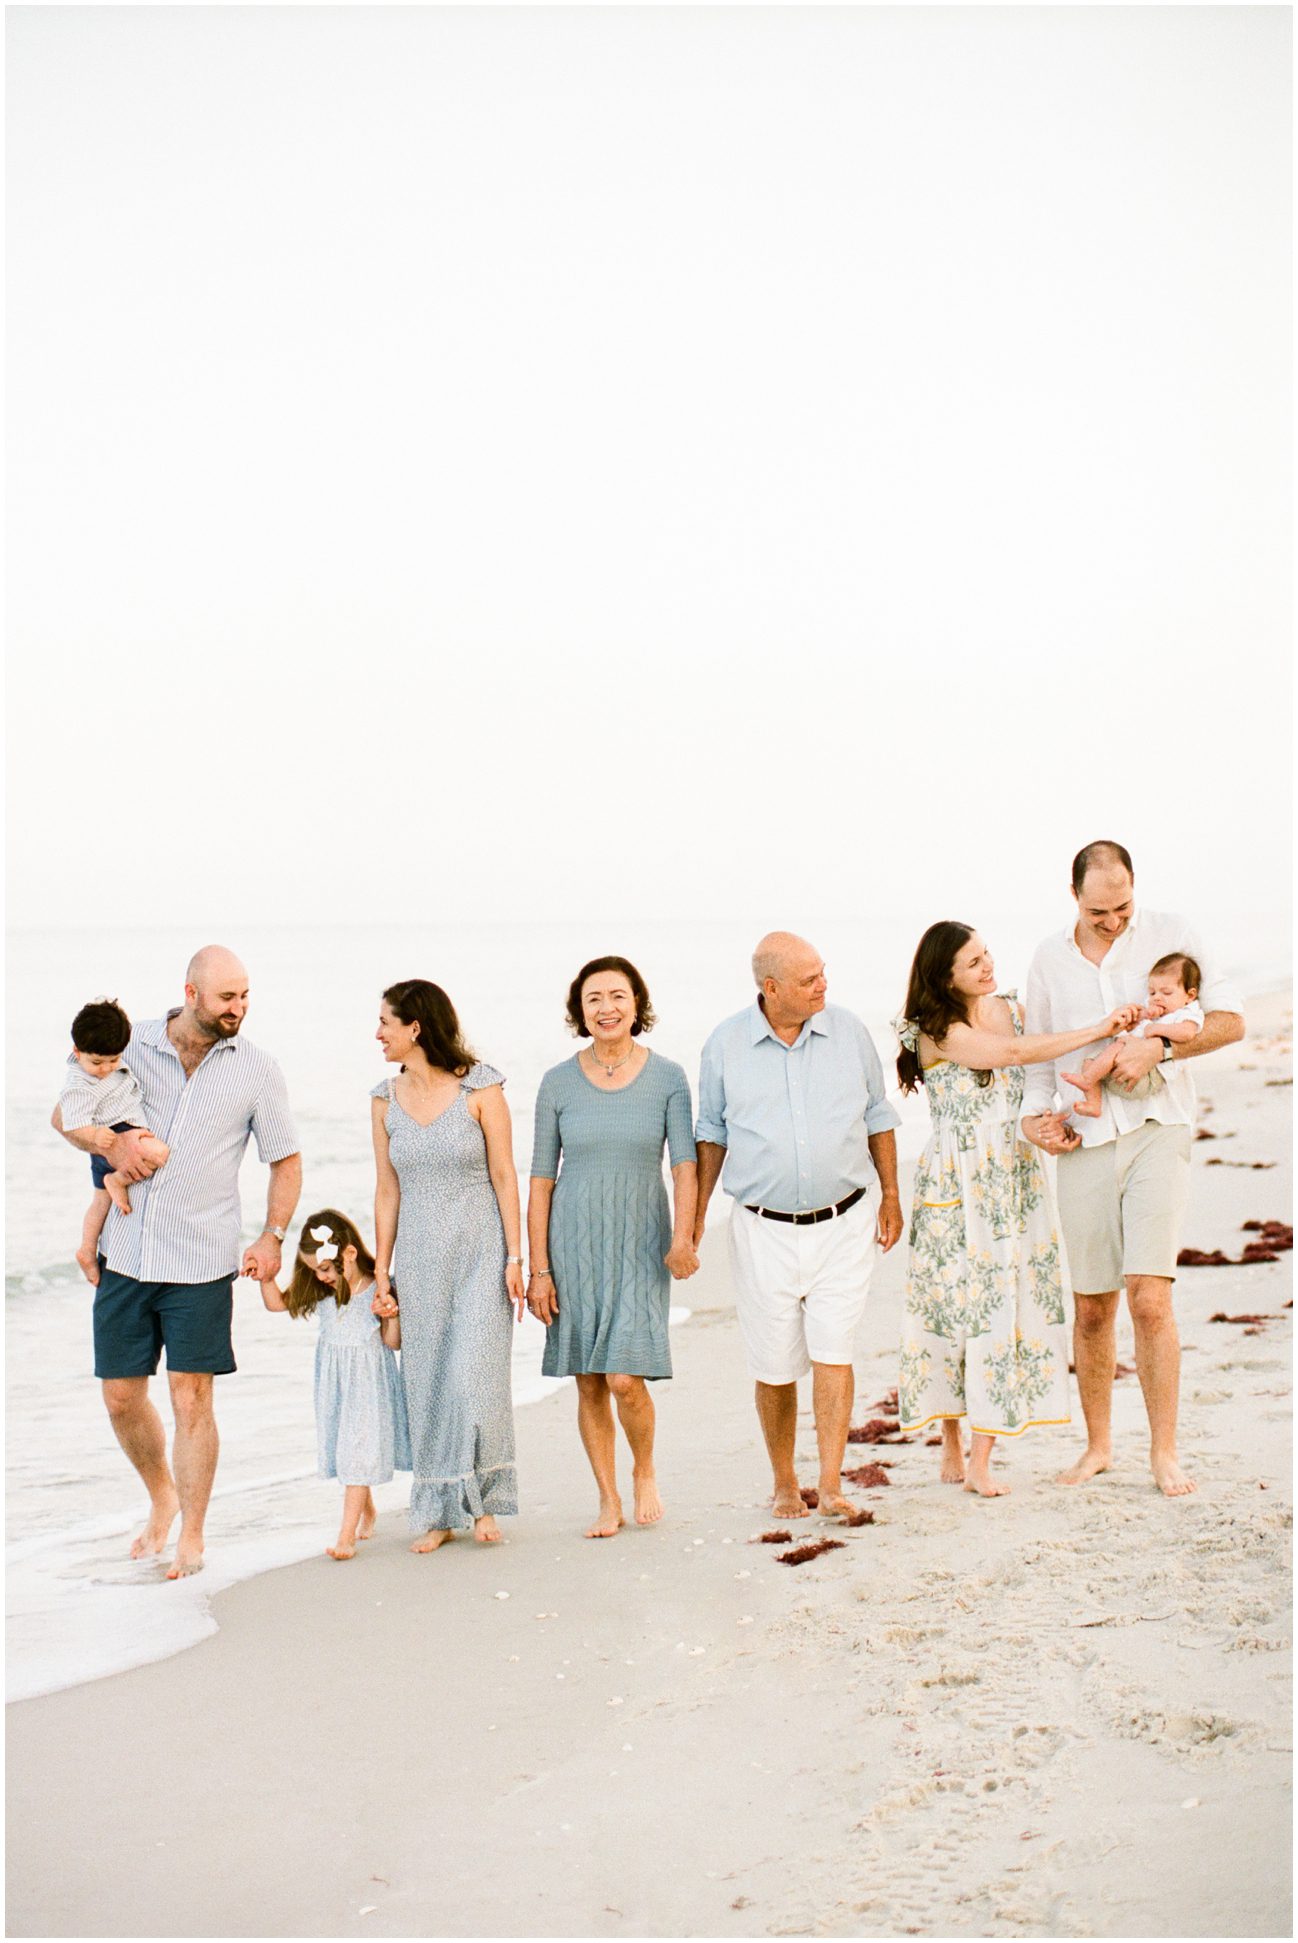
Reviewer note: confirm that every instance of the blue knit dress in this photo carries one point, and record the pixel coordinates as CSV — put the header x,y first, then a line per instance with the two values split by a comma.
x,y
609,1222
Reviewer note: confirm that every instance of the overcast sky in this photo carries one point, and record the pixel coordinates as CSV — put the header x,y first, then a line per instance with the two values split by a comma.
x,y
542,462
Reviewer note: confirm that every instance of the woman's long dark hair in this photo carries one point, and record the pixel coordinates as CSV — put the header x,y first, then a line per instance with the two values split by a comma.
x,y
417,1001
931,1005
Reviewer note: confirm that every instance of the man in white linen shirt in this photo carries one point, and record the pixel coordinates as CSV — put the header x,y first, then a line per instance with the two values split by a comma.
x,y
168,1266
791,1102
1124,1178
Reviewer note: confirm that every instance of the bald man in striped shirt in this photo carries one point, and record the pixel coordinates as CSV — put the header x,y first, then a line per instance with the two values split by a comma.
x,y
167,1268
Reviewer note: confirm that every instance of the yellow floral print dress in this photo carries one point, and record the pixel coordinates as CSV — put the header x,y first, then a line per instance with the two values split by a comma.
x,y
983,1334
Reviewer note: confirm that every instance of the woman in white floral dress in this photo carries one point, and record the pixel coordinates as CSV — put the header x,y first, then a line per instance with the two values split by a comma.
x,y
983,1334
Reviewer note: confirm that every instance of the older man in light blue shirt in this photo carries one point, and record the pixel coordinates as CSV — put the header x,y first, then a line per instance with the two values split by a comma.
x,y
791,1103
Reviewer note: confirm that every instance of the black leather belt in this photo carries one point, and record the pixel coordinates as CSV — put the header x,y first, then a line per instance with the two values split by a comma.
x,y
816,1214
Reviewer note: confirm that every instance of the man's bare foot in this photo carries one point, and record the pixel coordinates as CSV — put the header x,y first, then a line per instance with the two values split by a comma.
x,y
648,1505
188,1559
834,1505
487,1531
1088,1465
88,1263
431,1540
153,1539
788,1504
610,1520
1090,1105
341,1548
1170,1478
985,1485
952,1458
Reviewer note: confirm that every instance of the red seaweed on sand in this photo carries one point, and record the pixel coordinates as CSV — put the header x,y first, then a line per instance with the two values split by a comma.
x,y
879,1430
773,1538
810,1496
802,1553
869,1476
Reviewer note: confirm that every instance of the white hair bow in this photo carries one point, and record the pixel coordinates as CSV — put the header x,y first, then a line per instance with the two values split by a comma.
x,y
329,1249
908,1032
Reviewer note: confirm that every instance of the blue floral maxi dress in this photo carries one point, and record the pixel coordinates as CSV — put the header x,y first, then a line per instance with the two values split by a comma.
x,y
983,1334
456,1322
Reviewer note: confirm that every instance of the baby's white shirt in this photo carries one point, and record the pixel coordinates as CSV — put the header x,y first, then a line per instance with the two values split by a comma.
x,y
1193,1011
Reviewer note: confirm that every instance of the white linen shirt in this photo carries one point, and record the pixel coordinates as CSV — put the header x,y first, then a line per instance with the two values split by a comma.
x,y
1065,991
185,1220
89,1102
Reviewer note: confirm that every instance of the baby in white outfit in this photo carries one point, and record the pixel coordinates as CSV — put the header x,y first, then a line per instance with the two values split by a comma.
x,y
1173,1013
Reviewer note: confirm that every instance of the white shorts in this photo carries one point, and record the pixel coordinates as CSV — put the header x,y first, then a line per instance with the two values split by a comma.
x,y
800,1289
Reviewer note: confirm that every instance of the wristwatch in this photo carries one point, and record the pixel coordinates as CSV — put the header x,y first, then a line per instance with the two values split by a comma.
x,y
278,1233
1167,1053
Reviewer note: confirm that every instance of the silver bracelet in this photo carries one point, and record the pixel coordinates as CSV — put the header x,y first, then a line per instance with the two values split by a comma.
x,y
543,1271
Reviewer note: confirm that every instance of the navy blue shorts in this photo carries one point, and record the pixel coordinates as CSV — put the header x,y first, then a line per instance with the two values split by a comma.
x,y
100,1168
134,1321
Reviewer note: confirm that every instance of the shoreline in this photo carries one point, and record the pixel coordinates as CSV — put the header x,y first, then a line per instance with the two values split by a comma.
x,y
894,1736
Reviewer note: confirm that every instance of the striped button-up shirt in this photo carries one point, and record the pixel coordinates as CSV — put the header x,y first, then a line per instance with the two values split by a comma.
x,y
185,1221
89,1102
795,1120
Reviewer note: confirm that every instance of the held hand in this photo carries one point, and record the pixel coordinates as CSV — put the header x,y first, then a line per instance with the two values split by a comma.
x,y
1136,1057
1051,1132
682,1261
1121,1019
543,1298
385,1301
262,1260
514,1290
890,1222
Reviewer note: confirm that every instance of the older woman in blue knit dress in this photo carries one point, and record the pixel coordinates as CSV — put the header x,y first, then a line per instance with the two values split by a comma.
x,y
602,1246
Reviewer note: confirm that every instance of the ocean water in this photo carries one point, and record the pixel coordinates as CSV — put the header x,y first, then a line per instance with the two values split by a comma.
x,y
77,1606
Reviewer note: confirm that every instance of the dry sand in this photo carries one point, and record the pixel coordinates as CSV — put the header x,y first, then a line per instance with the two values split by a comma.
x,y
1063,1713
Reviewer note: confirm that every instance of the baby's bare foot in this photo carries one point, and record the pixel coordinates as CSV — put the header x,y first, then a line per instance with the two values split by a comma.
x,y
1089,1106
116,1189
88,1263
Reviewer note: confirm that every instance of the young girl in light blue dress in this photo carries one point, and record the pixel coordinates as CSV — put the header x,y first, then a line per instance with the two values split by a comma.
x,y
360,1406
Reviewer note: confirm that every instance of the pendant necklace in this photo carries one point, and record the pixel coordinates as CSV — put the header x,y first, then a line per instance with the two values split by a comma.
x,y
610,1070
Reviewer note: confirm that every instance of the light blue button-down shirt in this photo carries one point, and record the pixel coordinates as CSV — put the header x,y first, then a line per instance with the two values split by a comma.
x,y
184,1222
795,1120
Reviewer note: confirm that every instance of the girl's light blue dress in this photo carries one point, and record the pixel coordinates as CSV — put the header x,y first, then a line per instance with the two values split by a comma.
x,y
609,1222
360,1408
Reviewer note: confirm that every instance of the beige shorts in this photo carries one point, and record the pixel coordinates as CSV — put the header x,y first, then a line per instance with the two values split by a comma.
x,y
1122,1204
800,1291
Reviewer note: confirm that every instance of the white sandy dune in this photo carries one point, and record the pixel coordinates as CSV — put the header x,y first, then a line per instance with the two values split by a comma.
x,y
1062,1713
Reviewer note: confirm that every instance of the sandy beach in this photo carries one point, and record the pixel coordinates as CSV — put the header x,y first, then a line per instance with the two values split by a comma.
x,y
1061,1713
